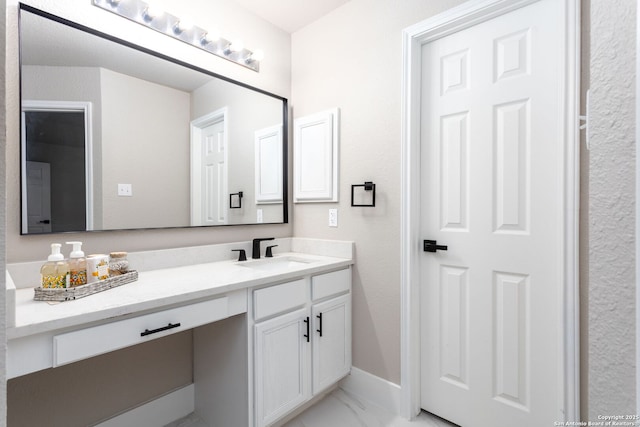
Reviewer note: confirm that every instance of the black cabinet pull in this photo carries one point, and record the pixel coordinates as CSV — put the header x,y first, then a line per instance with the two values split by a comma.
x,y
155,331
307,334
319,316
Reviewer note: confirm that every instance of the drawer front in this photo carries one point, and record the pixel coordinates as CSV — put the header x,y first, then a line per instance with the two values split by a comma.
x,y
279,298
326,285
89,342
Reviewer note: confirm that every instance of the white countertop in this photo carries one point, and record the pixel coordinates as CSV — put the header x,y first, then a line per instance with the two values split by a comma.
x,y
156,290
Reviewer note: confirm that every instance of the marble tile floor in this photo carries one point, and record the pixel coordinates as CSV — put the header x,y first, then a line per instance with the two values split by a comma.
x,y
341,409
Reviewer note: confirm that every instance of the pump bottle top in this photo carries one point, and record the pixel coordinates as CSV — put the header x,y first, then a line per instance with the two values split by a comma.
x,y
55,253
77,250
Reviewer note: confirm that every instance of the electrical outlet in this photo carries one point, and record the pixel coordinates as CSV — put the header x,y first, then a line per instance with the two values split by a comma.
x,y
259,216
125,190
333,217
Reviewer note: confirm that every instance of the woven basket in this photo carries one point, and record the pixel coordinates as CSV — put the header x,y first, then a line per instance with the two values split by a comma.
x,y
68,294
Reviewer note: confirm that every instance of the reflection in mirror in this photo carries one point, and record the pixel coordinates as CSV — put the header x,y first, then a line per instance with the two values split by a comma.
x,y
117,137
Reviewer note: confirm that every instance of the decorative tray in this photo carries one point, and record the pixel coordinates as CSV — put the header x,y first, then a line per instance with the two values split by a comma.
x,y
68,294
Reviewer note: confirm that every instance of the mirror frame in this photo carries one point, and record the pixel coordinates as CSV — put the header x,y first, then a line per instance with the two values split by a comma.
x,y
285,118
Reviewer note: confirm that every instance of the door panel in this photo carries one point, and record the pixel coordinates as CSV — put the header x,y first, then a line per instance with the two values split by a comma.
x,y
214,174
491,191
282,365
332,349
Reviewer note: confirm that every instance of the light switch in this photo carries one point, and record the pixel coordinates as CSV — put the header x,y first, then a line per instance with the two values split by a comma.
x,y
259,216
125,190
333,217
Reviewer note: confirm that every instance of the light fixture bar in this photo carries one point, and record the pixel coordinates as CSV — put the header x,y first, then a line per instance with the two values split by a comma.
x,y
150,16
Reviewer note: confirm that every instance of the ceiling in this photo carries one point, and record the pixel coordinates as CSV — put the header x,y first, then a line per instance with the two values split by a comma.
x,y
291,15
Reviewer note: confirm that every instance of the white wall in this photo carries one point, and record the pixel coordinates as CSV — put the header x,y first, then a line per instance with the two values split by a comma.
x,y
611,213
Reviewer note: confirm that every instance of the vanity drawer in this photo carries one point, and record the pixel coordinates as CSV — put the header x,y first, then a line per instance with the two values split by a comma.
x,y
89,342
279,298
325,285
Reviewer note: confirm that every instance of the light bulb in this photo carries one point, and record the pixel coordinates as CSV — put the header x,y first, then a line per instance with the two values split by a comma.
x,y
183,25
151,12
257,55
209,37
236,46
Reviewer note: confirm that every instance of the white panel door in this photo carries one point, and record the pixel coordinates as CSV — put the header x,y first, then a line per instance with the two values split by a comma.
x,y
492,192
268,163
214,175
282,357
332,341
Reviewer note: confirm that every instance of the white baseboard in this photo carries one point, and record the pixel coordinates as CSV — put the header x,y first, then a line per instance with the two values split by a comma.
x,y
374,389
158,412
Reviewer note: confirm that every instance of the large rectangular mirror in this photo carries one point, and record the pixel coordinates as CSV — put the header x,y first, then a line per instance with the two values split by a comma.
x,y
118,137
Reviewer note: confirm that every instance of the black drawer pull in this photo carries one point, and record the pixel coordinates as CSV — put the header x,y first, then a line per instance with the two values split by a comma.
x,y
155,331
307,334
319,316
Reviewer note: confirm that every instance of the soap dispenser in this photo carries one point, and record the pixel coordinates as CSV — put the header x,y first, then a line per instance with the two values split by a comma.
x,y
77,265
55,272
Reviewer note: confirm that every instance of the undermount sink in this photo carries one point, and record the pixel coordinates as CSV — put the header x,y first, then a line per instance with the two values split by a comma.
x,y
276,263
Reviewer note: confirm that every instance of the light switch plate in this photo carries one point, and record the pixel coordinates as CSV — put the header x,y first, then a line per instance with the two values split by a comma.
x,y
259,216
125,190
333,217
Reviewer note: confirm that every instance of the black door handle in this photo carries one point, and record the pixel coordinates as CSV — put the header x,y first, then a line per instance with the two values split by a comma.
x,y
44,221
432,246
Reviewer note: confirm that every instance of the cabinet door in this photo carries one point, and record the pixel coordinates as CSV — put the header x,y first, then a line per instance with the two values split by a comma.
x,y
282,357
332,346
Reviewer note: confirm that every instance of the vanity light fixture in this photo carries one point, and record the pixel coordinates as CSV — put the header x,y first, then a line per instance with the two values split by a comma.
x,y
149,15
368,187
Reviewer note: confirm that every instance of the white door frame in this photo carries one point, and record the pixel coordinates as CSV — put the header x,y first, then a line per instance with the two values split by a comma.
x,y
196,127
459,18
60,106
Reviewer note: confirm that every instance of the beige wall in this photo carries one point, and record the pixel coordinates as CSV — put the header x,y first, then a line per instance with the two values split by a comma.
x,y
3,219
351,59
145,129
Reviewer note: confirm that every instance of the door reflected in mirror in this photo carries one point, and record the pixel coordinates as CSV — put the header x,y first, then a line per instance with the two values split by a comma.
x,y
114,137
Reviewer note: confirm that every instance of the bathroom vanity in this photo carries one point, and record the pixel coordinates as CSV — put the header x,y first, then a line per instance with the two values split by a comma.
x,y
268,334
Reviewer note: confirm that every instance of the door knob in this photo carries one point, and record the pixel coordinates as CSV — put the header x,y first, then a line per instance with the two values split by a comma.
x,y
432,246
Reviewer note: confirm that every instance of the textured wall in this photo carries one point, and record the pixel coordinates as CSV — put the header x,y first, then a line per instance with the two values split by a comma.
x,y
611,275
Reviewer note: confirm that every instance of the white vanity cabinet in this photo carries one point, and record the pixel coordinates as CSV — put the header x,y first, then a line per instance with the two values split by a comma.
x,y
304,346
268,336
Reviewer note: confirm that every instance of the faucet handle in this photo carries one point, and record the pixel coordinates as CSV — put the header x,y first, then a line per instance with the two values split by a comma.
x,y
243,254
269,253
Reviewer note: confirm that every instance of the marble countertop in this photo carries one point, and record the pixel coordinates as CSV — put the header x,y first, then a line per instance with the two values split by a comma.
x,y
159,289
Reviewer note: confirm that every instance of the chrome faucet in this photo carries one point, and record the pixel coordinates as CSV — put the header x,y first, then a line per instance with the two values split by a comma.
x,y
255,253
